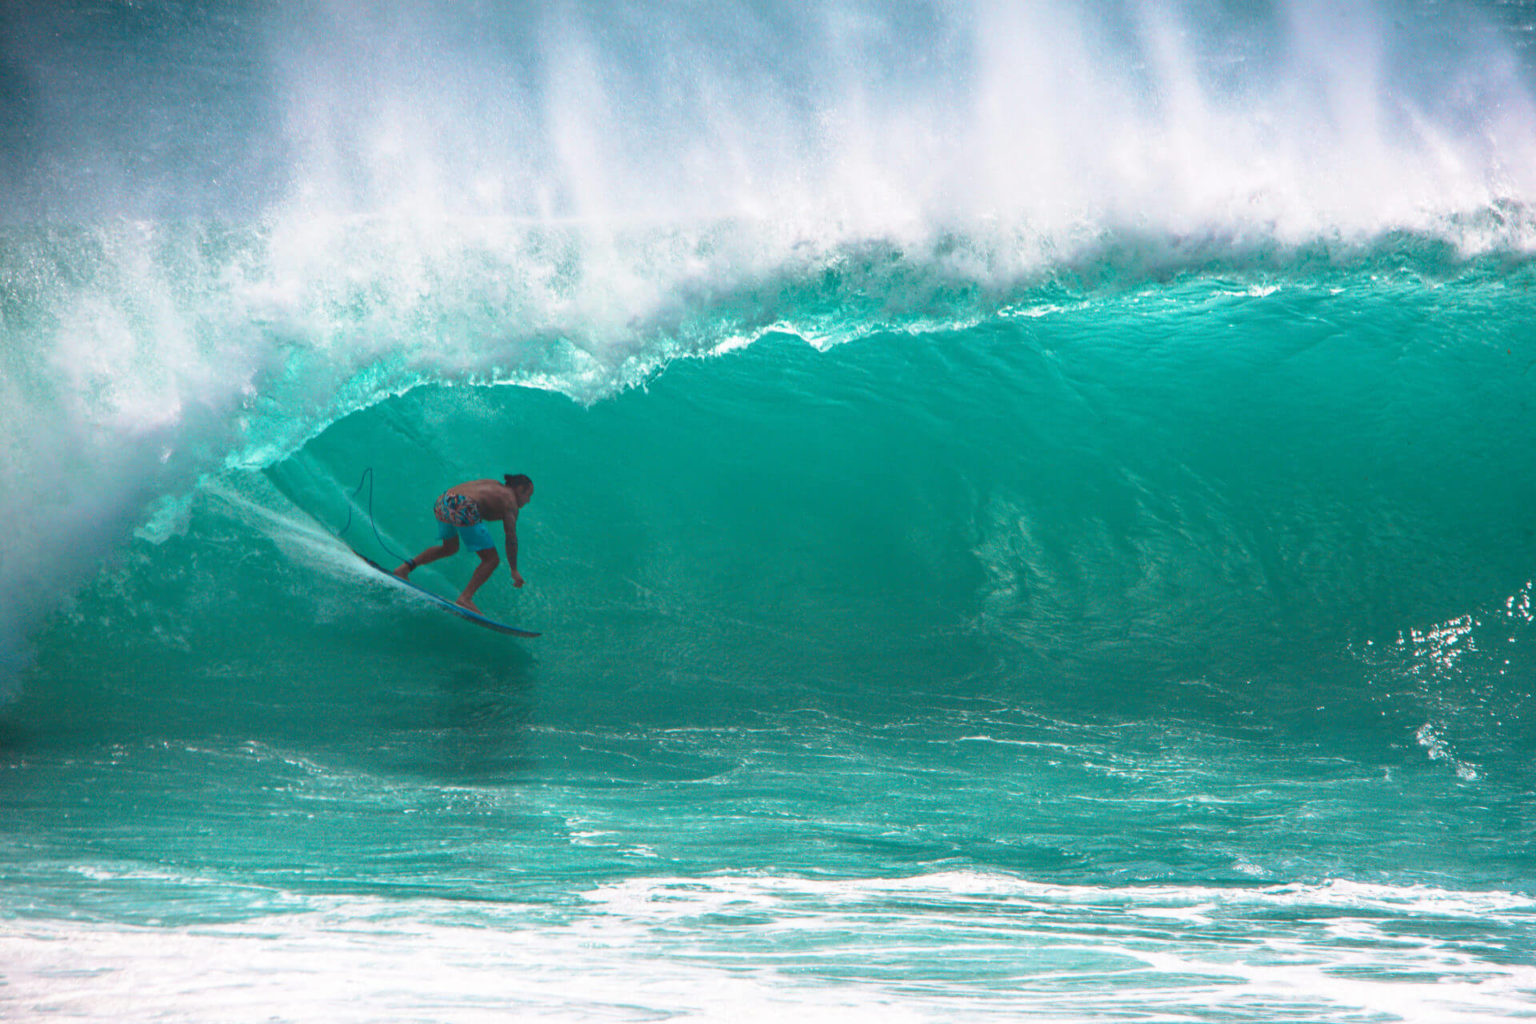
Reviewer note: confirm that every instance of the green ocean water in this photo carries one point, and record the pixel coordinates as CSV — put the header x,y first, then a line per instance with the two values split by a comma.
x,y
1021,610
975,606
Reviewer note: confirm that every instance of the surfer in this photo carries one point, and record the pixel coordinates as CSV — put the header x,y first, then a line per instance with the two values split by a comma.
x,y
462,513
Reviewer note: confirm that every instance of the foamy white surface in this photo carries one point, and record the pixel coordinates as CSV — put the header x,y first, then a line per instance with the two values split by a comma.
x,y
940,947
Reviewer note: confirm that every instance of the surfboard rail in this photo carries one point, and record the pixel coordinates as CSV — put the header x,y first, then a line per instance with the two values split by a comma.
x,y
476,618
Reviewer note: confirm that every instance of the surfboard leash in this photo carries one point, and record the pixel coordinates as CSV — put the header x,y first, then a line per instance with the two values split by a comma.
x,y
367,478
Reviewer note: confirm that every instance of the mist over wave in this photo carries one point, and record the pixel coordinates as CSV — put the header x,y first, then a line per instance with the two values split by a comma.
x,y
1294,118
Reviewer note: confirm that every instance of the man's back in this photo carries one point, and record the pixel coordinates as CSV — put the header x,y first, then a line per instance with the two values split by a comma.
x,y
494,498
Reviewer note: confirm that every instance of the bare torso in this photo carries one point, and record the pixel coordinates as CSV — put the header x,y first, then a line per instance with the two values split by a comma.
x,y
495,499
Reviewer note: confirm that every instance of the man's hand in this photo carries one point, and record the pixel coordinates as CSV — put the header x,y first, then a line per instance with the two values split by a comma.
x,y
517,578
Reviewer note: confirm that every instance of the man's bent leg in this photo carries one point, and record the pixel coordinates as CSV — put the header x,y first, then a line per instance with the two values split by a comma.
x,y
489,559
432,554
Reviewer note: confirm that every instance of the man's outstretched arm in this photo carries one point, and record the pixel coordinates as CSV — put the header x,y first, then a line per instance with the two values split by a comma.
x,y
510,527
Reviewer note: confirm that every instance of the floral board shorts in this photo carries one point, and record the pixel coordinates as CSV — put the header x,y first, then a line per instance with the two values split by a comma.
x,y
459,516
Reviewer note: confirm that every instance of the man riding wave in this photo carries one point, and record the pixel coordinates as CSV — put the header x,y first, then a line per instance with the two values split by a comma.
x,y
462,513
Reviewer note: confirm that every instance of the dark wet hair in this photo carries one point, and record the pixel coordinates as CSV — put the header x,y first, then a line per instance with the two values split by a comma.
x,y
517,481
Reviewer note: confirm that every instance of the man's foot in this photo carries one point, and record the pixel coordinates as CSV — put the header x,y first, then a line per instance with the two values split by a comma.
x,y
404,572
464,602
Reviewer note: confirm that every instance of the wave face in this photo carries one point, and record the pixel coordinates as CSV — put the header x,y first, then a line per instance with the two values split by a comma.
x,y
287,224
1031,501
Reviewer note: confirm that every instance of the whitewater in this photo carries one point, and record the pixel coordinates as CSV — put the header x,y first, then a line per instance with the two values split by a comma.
x,y
1033,519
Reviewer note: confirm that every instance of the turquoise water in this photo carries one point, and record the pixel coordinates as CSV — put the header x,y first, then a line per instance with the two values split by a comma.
x,y
1084,575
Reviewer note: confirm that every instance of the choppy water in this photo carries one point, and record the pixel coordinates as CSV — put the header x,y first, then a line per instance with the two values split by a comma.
x,y
1033,513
